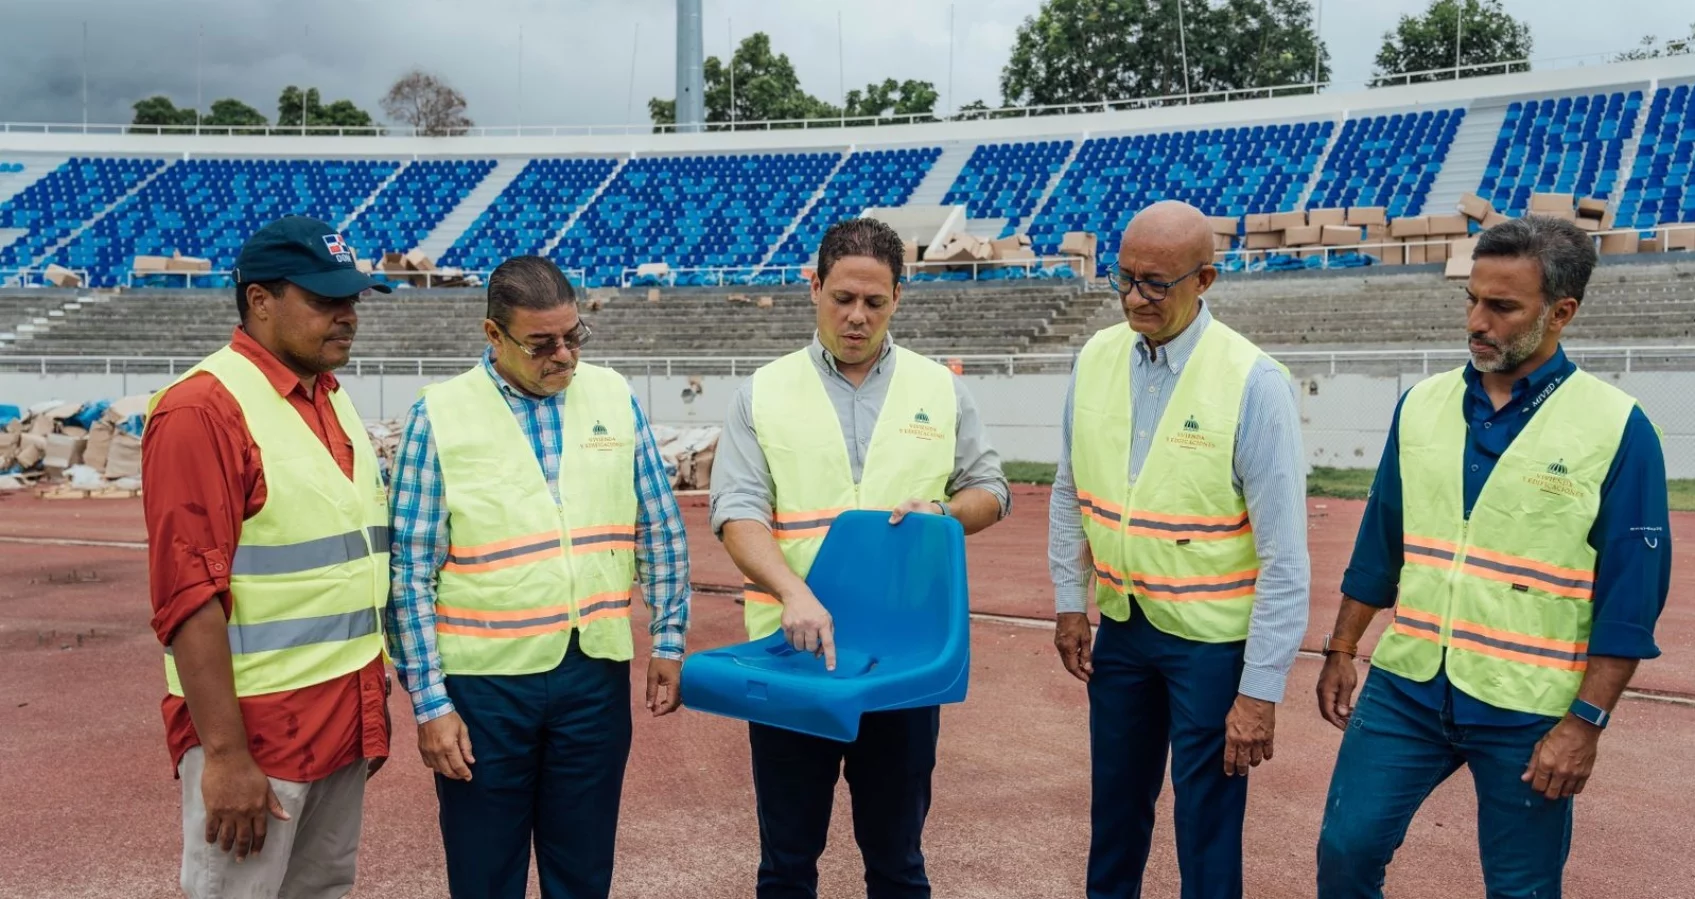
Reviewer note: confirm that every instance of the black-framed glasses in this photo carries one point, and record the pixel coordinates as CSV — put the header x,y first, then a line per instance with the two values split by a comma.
x,y
1152,291
573,341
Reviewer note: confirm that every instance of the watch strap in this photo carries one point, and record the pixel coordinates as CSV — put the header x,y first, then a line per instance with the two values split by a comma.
x,y
1590,712
1336,644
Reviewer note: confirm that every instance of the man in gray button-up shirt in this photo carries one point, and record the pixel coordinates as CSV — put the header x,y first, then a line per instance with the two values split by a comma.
x,y
856,290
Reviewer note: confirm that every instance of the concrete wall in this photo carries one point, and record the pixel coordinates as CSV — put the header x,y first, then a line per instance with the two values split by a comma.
x,y
1345,418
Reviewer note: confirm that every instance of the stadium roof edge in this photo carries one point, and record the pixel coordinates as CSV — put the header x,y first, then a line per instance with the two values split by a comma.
x,y
1327,105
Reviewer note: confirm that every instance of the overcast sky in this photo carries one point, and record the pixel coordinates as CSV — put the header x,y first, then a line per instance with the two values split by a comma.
x,y
579,55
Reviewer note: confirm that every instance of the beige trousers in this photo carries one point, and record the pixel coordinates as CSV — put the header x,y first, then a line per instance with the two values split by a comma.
x,y
310,856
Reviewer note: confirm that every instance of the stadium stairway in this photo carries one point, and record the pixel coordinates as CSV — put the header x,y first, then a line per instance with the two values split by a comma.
x,y
465,214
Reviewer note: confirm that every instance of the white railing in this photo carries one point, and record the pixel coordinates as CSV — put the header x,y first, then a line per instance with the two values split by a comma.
x,y
31,277
739,275
1385,249
1092,106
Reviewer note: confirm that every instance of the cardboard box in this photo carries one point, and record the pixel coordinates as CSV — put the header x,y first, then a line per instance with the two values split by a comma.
x,y
1079,243
1223,224
1340,235
1415,255
1303,236
123,459
394,262
150,265
911,254
1493,219
1676,239
1452,223
1591,208
1324,217
1474,207
1655,244
363,265
1368,215
1263,240
1258,224
32,448
181,263
1418,226
1376,233
1391,254
655,269
653,294
1459,258
418,262
1608,220
95,452
1589,224
1010,245
59,276
1552,202
1624,243
1569,215
1283,221
63,451
1221,243
765,302
1436,252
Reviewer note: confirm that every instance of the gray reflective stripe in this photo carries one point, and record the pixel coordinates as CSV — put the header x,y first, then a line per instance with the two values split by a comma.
x,y
551,542
1099,510
1530,573
604,538
1178,528
273,635
292,557
1561,654
379,538
1109,577
1195,588
1416,550
563,617
1416,625
802,525
592,608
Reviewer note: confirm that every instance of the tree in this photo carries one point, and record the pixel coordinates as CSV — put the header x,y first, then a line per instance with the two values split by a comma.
x,y
1485,32
340,114
229,113
766,88
159,111
427,103
1651,48
1092,51
164,115
892,98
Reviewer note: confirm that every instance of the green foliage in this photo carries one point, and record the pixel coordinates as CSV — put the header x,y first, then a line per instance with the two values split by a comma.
x,y
340,114
1486,33
1651,48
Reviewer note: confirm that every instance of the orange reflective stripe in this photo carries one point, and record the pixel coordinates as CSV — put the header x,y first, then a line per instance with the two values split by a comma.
x,y
1418,615
754,593
1523,648
502,624
1424,551
1106,573
1525,573
1188,527
613,604
1213,586
603,539
1414,623
1100,510
799,525
504,554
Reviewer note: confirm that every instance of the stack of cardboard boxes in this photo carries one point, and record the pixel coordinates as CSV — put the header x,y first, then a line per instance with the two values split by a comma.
x,y
1306,234
963,252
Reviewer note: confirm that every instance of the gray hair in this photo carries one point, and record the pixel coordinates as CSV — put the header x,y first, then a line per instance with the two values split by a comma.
x,y
527,282
1565,252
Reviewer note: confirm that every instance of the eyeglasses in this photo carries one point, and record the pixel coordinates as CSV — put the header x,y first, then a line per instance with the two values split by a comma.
x,y
1123,283
573,341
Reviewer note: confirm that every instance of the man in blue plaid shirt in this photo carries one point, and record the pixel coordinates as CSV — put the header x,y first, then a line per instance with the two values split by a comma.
x,y
528,496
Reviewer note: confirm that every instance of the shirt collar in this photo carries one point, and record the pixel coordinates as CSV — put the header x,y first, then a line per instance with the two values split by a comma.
x,y
506,386
1535,386
282,378
824,360
1175,353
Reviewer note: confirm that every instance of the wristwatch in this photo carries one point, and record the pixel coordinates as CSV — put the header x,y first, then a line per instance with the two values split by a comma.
x,y
1590,712
946,512
1332,644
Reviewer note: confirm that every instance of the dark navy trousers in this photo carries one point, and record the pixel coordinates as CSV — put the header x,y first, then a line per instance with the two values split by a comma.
x,y
1151,690
888,773
550,751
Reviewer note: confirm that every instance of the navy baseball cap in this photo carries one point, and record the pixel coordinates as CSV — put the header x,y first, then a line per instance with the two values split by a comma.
x,y
307,252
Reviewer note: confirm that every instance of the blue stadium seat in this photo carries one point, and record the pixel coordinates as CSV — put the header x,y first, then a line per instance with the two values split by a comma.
x,y
1656,191
867,179
1563,145
529,212
64,200
1006,180
919,580
1387,160
410,206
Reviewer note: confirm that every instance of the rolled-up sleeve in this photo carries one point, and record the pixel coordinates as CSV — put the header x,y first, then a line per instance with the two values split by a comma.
x,y
1272,470
976,463
1374,571
742,489
1632,541
1068,546
418,528
192,464
662,547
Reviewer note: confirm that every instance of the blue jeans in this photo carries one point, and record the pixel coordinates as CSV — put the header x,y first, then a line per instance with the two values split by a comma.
x,y
1394,754
888,772
1151,690
550,750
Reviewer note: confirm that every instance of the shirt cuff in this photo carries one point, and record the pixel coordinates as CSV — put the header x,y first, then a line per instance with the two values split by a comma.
x,y
1070,598
1264,683
1622,640
1373,590
739,507
668,643
431,703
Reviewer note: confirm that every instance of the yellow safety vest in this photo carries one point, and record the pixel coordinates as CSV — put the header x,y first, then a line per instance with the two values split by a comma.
x,y
522,571
1506,594
1179,539
310,575
911,456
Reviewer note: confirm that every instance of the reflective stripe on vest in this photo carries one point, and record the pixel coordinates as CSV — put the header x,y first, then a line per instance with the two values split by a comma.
x,y
522,570
309,576
1507,593
1179,540
911,456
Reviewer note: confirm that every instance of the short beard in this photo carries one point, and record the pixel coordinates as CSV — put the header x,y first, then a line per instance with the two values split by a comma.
x,y
1520,348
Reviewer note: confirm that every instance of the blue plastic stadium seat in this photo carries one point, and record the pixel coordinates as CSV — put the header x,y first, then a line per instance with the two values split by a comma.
x,y
919,580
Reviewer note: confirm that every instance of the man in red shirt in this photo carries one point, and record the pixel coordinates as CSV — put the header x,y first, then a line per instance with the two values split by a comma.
x,y
268,567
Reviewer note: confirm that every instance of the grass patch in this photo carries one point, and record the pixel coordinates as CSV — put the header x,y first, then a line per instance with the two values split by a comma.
x,y
1335,483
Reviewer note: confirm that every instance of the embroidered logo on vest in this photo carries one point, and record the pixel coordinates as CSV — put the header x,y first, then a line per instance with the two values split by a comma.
x,y
1555,479
921,427
601,440
1191,438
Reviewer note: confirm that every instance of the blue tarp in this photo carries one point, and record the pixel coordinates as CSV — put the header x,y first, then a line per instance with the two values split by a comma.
x,y
89,414
132,425
9,414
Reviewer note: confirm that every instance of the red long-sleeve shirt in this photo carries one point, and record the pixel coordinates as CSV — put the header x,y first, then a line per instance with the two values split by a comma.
x,y
203,479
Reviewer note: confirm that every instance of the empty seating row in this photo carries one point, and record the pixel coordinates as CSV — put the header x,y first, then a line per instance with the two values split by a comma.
x,y
1006,180
411,205
868,179
1387,160
1564,145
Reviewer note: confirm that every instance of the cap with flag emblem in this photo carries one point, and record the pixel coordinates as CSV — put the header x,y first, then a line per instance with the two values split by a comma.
x,y
304,251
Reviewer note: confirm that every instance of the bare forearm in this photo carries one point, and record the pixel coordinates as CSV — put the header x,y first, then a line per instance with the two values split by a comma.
x,y
755,552
202,652
1605,680
1352,619
975,508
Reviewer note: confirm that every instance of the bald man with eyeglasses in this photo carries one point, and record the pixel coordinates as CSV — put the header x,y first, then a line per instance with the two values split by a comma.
x,y
1181,491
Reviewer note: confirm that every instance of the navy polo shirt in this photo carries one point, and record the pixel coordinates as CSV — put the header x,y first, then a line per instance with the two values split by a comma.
x,y
1631,535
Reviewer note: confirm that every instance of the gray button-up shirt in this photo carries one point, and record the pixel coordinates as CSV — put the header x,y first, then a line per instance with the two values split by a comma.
x,y
741,481
1268,471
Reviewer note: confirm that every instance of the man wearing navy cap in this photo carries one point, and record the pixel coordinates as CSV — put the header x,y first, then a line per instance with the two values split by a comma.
x,y
268,566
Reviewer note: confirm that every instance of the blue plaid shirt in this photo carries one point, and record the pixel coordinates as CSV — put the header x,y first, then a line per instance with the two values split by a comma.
x,y
420,538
